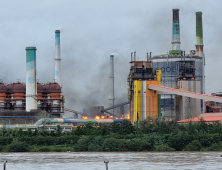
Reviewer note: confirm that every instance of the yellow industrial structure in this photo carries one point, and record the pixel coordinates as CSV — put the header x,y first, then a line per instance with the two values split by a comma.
x,y
144,103
145,100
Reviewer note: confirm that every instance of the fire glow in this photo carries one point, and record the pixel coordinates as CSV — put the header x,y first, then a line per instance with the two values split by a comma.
x,y
85,117
127,116
97,117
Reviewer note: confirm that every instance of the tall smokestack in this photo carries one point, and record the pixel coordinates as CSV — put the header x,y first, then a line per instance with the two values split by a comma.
x,y
57,58
199,34
111,85
176,30
31,85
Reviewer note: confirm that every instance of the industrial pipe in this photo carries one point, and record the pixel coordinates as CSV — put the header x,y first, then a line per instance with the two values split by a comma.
x,y
62,120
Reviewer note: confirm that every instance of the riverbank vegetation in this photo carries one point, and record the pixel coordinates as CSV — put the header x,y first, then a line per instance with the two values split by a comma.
x,y
147,135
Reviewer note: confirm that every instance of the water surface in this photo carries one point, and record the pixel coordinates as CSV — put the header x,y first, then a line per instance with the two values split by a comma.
x,y
117,160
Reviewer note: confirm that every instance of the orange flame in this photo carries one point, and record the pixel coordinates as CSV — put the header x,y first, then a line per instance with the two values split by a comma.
x,y
111,117
85,117
102,117
127,116
97,117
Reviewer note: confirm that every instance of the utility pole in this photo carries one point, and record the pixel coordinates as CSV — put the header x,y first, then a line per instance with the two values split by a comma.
x,y
4,165
106,162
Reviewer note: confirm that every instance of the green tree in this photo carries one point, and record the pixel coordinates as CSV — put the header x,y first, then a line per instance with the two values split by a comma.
x,y
163,147
17,146
82,144
195,145
58,131
96,144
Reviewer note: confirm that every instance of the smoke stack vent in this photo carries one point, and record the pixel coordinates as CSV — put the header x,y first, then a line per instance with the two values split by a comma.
x,y
175,34
111,85
31,85
176,30
199,34
57,58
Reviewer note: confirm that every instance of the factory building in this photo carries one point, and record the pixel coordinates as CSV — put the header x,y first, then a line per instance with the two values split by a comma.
x,y
176,70
49,98
25,100
96,111
172,63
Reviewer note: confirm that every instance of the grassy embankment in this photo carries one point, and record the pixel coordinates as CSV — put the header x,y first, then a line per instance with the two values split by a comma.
x,y
144,136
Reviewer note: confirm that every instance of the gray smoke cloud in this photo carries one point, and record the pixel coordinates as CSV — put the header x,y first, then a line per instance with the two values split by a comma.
x,y
91,31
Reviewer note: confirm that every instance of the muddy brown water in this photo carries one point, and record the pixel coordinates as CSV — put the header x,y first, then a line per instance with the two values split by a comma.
x,y
117,160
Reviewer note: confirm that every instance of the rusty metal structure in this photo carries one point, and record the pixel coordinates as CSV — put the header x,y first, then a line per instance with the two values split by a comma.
x,y
212,106
24,101
13,98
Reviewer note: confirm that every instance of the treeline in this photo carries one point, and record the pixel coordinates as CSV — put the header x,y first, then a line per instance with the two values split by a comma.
x,y
149,135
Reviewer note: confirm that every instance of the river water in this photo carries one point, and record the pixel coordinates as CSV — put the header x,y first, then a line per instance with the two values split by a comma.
x,y
117,160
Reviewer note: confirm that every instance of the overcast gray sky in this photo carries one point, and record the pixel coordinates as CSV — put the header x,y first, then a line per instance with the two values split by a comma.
x,y
91,30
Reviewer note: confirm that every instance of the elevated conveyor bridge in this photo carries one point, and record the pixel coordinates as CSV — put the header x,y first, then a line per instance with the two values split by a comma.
x,y
168,90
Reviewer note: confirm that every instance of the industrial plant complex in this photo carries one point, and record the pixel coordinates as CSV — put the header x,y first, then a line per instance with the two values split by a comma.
x,y
170,86
22,103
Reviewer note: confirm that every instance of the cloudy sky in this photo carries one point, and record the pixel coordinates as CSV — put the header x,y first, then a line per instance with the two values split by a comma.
x,y
93,29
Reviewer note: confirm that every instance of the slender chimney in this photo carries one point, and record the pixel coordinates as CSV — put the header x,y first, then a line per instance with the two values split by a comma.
x,y
111,85
31,85
57,58
199,34
176,30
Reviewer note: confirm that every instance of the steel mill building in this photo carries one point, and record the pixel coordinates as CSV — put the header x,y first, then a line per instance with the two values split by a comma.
x,y
179,71
24,101
176,62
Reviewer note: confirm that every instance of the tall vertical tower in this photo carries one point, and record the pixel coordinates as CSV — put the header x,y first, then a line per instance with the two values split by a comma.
x,y
31,85
200,52
169,64
199,34
176,30
57,58
111,83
